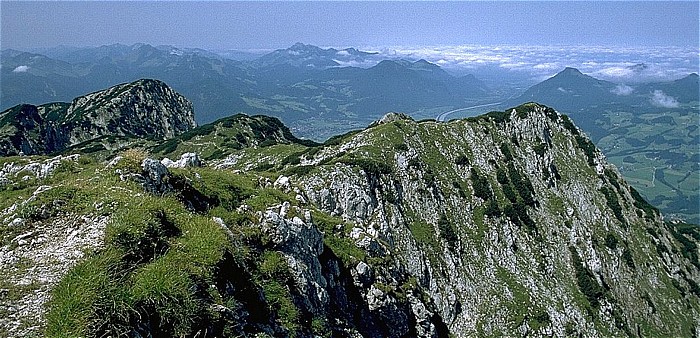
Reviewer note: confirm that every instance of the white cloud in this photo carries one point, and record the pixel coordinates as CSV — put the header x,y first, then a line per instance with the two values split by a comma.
x,y
548,66
615,72
353,63
21,69
622,90
343,53
514,65
628,65
660,99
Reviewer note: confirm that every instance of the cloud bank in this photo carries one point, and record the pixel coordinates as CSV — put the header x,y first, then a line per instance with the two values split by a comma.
x,y
622,90
660,99
617,64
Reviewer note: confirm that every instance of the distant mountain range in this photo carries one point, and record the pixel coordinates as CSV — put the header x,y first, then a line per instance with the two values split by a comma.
x,y
318,92
572,91
302,82
648,129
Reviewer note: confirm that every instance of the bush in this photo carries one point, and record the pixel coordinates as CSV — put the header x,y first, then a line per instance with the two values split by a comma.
x,y
540,149
521,211
588,148
611,241
293,159
167,147
400,147
586,281
501,176
459,188
447,231
267,143
614,204
369,166
641,203
510,193
506,152
492,209
480,185
568,125
522,185
462,160
612,178
338,139
627,258
499,116
298,170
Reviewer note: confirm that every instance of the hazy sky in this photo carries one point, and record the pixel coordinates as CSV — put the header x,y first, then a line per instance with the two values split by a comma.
x,y
248,25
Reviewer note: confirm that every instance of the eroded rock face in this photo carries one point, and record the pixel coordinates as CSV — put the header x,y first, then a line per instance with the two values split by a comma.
x,y
26,170
144,108
482,271
354,299
504,225
186,160
302,244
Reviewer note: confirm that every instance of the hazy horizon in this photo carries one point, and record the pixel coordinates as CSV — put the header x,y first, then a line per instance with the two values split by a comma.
x,y
272,25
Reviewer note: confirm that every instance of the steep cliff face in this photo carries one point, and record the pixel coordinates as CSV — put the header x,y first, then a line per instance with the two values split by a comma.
x,y
508,224
144,108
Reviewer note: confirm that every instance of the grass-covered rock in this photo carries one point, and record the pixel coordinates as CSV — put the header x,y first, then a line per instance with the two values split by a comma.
x,y
478,227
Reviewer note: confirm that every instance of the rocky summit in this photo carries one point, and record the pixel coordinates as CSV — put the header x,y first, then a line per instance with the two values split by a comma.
x,y
144,108
508,224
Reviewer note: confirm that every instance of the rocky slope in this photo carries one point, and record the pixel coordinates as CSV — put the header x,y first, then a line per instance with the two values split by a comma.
x,y
144,109
511,223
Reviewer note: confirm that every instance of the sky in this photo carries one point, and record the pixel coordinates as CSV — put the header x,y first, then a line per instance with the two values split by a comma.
x,y
266,25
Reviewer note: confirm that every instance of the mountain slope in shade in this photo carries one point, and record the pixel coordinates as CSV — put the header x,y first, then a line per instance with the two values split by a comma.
x,y
682,90
296,84
570,90
573,91
145,108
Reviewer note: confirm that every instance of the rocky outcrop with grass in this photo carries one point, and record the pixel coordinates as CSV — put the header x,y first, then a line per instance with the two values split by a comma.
x,y
141,109
507,224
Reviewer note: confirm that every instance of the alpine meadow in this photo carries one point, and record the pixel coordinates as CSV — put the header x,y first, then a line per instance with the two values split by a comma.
x,y
349,169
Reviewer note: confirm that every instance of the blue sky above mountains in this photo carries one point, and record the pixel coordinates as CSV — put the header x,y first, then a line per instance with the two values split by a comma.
x,y
248,25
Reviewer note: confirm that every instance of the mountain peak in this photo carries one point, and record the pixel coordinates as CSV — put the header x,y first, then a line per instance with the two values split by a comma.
x,y
303,47
143,108
570,71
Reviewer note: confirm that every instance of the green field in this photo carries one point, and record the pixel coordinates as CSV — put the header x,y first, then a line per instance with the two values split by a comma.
x,y
658,153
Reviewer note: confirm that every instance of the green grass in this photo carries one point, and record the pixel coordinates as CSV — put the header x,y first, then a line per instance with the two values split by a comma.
x,y
155,255
161,259
276,281
74,300
424,234
645,148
